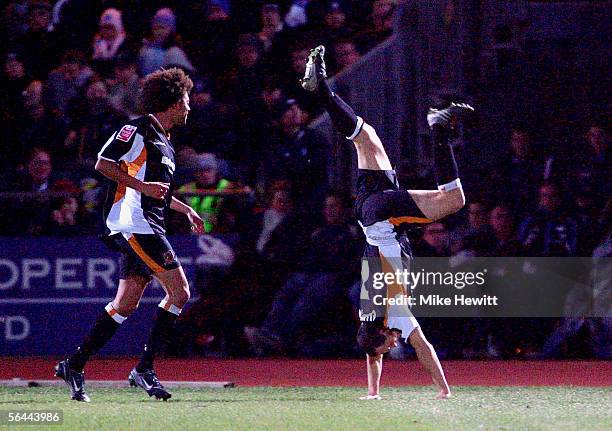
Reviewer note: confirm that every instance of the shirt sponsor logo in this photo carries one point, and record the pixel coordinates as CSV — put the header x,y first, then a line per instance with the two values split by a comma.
x,y
126,133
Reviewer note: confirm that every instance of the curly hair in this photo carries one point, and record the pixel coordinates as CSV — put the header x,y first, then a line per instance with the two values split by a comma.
x,y
164,88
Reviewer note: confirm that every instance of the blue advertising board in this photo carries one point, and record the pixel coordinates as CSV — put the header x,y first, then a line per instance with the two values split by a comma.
x,y
52,289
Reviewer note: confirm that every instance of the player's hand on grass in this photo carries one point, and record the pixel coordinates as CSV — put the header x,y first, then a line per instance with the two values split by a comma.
x,y
197,224
371,397
155,190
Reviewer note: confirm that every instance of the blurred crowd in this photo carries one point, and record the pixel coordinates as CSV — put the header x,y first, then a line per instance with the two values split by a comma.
x,y
72,72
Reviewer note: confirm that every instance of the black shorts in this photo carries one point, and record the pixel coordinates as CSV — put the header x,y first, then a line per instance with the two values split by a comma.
x,y
143,254
379,198
370,182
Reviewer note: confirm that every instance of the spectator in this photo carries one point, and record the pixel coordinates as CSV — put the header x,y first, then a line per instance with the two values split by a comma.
x,y
335,24
212,38
14,82
344,54
281,205
594,161
12,113
109,43
212,125
67,82
586,213
249,68
161,50
64,220
39,128
434,242
505,236
380,24
271,25
592,299
29,214
549,231
311,310
76,22
92,121
290,81
39,45
207,178
333,245
124,86
38,175
298,154
475,235
14,19
517,170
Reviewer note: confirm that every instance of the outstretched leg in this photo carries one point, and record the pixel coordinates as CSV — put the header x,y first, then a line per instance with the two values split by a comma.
x,y
429,359
370,151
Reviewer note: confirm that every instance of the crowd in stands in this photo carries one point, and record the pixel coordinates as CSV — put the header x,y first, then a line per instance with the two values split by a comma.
x,y
71,76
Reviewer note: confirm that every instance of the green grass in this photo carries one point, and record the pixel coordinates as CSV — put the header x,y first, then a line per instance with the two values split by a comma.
x,y
326,408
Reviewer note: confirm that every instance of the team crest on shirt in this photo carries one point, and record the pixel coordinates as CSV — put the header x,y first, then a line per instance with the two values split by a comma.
x,y
168,257
126,133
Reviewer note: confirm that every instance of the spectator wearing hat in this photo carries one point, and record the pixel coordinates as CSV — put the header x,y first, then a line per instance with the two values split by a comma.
x,y
335,22
161,50
208,178
109,42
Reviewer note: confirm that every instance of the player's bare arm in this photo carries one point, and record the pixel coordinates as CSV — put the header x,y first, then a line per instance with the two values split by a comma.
x,y
374,369
197,224
113,171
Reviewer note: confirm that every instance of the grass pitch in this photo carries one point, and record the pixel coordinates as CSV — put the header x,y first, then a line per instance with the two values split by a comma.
x,y
322,408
